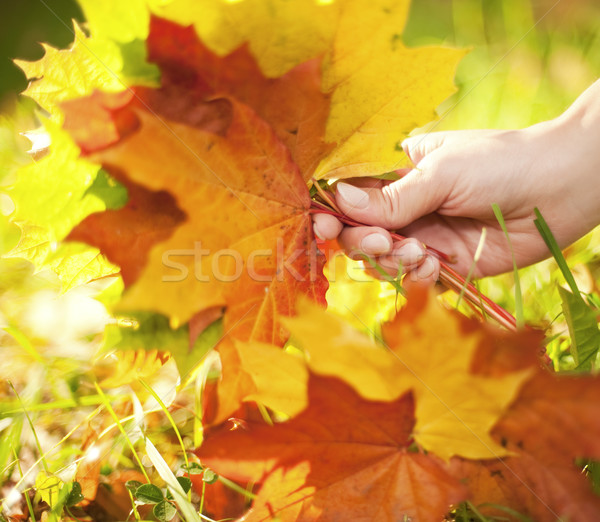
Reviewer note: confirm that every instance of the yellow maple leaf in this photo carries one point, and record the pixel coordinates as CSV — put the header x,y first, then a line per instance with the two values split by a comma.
x,y
455,409
355,296
281,34
61,75
280,378
381,89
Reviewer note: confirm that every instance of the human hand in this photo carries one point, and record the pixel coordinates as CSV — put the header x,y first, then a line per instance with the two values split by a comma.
x,y
446,200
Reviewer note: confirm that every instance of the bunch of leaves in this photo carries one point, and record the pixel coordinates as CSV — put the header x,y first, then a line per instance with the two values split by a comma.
x,y
166,182
217,158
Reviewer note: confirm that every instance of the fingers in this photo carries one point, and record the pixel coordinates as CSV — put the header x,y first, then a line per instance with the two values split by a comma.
x,y
326,226
395,258
372,241
394,205
417,147
405,255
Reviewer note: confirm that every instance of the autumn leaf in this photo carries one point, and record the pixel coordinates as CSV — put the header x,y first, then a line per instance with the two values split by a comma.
x,y
455,409
262,373
342,458
292,104
50,196
52,192
72,73
280,35
553,421
224,157
149,217
381,89
151,332
358,298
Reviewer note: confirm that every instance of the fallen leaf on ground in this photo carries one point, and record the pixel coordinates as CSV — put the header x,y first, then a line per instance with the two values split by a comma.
x,y
455,408
342,458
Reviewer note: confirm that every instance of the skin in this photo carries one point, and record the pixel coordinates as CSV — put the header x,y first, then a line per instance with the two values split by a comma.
x,y
446,200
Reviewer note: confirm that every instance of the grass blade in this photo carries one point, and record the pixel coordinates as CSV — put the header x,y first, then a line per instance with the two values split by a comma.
x,y
557,254
518,294
179,495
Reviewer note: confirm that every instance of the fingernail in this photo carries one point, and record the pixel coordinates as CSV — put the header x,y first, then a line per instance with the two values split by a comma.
x,y
353,196
426,269
317,233
409,253
375,244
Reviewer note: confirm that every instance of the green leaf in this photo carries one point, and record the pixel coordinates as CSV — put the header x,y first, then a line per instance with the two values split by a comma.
x,y
149,494
552,245
210,477
75,496
518,293
48,486
583,329
10,441
185,483
164,511
195,469
136,70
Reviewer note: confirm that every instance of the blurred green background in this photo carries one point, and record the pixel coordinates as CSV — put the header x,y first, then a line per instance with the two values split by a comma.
x,y
529,60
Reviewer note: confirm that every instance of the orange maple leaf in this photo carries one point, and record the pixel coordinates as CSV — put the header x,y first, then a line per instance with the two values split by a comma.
x,y
242,196
342,458
292,104
246,240
553,421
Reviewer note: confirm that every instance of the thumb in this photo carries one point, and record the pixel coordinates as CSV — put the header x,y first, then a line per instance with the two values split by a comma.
x,y
417,147
395,205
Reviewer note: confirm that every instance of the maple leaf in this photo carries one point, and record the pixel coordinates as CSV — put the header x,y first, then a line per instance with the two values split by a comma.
x,y
220,155
52,193
455,409
66,74
292,104
281,35
553,421
50,196
381,89
342,458
151,332
264,374
148,218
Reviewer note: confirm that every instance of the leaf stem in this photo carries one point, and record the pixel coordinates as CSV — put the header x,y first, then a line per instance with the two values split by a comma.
x,y
448,277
